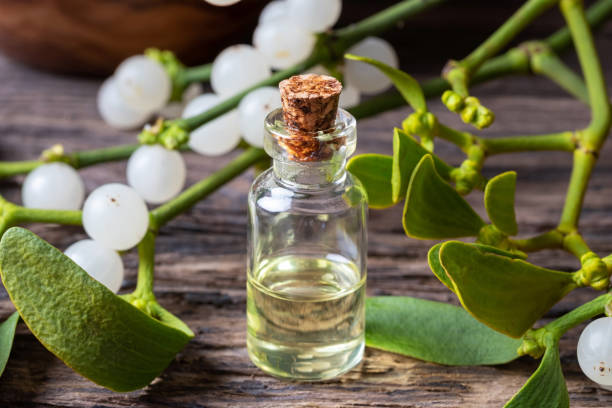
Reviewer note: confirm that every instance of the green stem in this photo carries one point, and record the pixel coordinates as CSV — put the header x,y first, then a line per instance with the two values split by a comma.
x,y
550,65
596,15
197,74
78,160
548,240
28,215
8,169
87,158
581,173
198,191
582,313
563,141
575,244
460,72
146,268
593,137
462,139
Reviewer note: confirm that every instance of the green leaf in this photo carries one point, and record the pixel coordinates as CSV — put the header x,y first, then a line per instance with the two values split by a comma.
x,y
434,210
374,173
405,84
7,334
546,387
98,334
499,202
506,294
433,258
435,332
407,153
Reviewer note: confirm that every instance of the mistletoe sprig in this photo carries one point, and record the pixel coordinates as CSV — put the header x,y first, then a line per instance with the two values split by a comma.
x,y
144,337
491,278
123,342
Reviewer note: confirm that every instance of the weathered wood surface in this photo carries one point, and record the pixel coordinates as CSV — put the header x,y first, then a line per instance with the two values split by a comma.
x,y
200,263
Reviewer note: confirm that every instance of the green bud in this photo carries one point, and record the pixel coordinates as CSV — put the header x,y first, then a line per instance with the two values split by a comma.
x,y
54,153
430,121
594,272
419,123
468,114
411,124
174,137
147,137
452,100
484,117
472,101
530,345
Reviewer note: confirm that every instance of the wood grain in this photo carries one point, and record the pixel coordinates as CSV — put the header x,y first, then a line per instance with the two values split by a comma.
x,y
200,262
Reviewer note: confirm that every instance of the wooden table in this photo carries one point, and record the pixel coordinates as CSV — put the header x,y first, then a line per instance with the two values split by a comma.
x,y
201,265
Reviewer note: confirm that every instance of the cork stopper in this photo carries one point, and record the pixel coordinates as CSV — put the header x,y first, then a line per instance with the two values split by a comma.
x,y
310,105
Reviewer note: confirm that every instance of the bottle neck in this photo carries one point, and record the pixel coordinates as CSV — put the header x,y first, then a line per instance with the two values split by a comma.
x,y
309,175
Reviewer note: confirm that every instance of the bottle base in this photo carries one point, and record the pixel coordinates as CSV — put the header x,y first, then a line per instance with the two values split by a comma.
x,y
305,362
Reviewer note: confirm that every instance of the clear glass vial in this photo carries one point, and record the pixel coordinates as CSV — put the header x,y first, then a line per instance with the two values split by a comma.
x,y
306,267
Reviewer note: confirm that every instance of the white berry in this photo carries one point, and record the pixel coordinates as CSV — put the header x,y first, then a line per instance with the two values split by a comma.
x,y
237,68
595,351
101,263
217,137
365,77
114,109
53,186
283,43
143,83
115,216
253,110
349,97
222,2
273,10
314,15
156,173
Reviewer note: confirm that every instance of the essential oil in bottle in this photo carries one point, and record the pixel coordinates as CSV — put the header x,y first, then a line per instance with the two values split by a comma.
x,y
307,239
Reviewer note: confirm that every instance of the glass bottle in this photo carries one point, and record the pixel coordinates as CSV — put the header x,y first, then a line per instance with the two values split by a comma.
x,y
306,267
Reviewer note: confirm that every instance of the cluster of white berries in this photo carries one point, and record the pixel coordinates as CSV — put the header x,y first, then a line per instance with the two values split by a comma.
x,y
115,215
139,87
595,352
285,35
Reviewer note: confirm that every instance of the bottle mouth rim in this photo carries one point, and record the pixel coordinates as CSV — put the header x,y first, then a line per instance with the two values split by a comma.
x,y
344,127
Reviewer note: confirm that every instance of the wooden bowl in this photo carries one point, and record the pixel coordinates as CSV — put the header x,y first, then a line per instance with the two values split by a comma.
x,y
93,36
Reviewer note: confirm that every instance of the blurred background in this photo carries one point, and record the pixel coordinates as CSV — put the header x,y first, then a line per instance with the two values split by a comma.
x,y
91,37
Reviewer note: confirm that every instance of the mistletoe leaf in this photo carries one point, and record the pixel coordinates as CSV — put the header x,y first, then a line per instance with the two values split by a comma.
x,y
433,331
374,173
95,332
546,387
7,334
499,202
434,210
407,153
433,258
506,294
405,84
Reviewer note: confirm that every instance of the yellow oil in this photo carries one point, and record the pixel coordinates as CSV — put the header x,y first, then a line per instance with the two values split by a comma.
x,y
306,317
